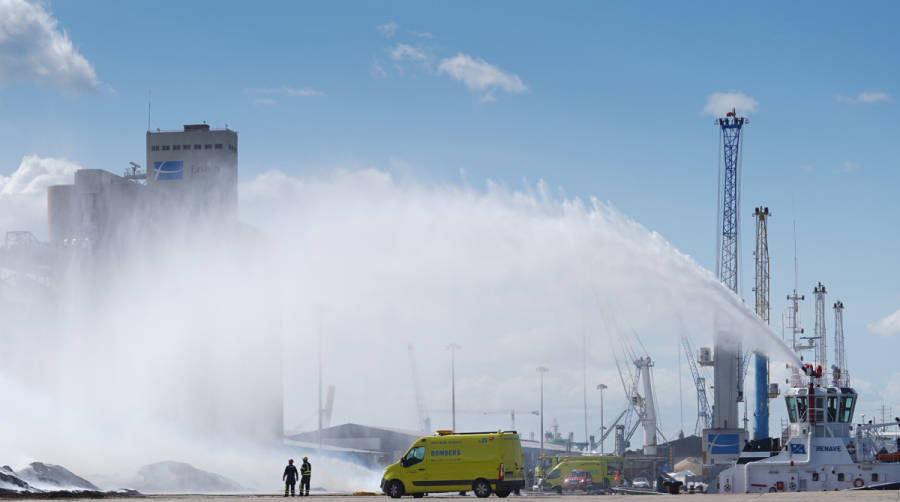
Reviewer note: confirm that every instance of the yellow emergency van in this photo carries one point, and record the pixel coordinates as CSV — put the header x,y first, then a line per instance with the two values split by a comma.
x,y
484,462
605,472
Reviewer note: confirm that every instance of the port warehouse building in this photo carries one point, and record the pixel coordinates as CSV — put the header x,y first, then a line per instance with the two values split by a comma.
x,y
377,447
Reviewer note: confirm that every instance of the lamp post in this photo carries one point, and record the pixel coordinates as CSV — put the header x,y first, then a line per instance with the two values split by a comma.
x,y
542,370
601,387
453,348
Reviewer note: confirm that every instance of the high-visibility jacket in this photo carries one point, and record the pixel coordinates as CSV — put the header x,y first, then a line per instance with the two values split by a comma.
x,y
305,469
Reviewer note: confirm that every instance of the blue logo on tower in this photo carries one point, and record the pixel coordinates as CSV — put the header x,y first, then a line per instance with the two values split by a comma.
x,y
169,170
798,448
723,444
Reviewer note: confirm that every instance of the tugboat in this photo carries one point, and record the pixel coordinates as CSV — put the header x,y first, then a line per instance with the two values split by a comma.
x,y
825,450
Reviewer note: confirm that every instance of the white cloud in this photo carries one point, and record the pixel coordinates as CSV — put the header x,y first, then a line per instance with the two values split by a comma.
x,y
888,326
377,69
807,168
290,92
404,52
35,174
303,92
32,48
388,29
720,103
849,167
479,75
422,34
23,194
866,97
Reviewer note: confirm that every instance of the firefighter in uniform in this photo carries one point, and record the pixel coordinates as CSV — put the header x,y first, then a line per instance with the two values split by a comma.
x,y
289,478
305,472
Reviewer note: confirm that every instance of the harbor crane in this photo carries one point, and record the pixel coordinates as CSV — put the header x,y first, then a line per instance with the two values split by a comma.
x,y
729,360
761,289
639,390
704,412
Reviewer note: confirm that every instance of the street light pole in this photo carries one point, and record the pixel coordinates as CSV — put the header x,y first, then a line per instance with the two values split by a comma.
x,y
542,370
453,348
602,387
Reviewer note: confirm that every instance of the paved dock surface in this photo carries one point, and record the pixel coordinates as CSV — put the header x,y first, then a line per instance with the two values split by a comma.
x,y
847,496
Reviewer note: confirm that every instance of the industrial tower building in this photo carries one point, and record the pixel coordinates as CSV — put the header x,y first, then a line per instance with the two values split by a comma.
x,y
196,167
191,173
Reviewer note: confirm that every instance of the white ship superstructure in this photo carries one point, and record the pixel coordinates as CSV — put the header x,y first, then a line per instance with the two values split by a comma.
x,y
825,450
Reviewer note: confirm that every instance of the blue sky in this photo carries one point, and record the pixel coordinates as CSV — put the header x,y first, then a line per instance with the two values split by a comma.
x,y
600,99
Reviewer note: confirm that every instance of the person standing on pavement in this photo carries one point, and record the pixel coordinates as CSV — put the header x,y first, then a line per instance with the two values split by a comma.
x,y
290,478
305,473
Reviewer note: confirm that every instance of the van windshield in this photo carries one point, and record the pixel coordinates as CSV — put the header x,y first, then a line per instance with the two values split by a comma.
x,y
414,456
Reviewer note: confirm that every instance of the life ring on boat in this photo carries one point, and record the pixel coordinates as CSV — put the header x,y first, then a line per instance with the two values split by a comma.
x,y
851,449
858,482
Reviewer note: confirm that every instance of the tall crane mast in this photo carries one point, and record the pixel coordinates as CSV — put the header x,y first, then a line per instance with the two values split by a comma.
x,y
820,340
839,370
793,312
728,356
761,288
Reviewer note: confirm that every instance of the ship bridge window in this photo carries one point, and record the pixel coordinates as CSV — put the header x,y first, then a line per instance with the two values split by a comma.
x,y
176,147
165,147
155,148
832,408
801,409
792,408
197,147
820,409
218,146
847,403
207,146
186,147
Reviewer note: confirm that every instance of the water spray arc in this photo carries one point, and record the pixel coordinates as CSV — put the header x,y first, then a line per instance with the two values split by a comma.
x,y
424,418
761,288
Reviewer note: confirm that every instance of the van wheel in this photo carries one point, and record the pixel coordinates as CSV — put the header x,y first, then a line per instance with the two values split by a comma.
x,y
395,489
481,488
558,490
502,493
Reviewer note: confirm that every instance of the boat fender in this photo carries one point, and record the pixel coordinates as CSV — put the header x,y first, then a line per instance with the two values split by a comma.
x,y
779,485
858,482
851,449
